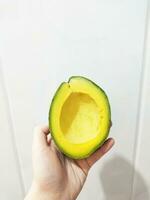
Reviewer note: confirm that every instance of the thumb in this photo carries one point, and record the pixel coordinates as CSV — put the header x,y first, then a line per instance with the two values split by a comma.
x,y
40,137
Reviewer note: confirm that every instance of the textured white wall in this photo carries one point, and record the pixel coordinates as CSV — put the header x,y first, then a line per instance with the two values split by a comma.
x,y
43,43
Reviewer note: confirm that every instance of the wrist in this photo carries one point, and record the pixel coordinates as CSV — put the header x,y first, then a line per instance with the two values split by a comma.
x,y
38,193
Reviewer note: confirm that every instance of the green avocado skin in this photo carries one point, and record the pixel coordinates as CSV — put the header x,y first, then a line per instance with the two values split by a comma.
x,y
51,127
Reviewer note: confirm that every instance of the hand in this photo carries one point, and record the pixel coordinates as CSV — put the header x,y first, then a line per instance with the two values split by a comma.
x,y
56,176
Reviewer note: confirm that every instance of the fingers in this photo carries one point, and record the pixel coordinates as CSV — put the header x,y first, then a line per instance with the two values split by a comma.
x,y
100,152
40,136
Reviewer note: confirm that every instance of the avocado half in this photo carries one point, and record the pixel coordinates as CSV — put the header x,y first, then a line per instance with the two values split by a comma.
x,y
79,117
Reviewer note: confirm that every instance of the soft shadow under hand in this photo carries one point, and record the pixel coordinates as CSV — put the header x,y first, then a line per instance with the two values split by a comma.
x,y
117,178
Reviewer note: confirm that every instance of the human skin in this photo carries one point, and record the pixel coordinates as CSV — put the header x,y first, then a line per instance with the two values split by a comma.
x,y
55,176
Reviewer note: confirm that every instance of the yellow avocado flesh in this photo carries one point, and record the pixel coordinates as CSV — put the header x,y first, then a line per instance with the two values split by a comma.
x,y
79,117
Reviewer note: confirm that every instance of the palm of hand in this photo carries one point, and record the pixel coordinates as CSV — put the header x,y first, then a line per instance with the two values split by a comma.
x,y
55,172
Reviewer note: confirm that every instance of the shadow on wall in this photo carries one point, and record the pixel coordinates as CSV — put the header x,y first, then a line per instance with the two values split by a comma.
x,y
117,185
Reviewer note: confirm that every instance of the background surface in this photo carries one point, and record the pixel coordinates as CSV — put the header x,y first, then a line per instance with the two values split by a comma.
x,y
42,43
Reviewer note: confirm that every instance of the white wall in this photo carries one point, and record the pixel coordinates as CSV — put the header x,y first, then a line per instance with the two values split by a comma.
x,y
43,43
